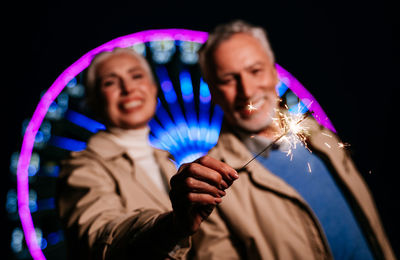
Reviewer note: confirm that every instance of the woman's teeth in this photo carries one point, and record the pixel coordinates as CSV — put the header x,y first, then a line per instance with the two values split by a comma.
x,y
132,104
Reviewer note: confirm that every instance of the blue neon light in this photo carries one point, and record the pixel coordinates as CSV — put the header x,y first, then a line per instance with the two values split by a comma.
x,y
190,109
46,204
281,88
187,135
170,127
165,140
186,86
205,95
33,207
55,237
67,143
298,108
174,106
215,126
204,114
166,85
72,83
84,121
50,170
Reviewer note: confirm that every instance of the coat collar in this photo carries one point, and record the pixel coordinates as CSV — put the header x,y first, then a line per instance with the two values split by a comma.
x,y
102,145
233,152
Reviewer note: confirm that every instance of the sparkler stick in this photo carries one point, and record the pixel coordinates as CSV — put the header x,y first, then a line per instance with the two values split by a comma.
x,y
288,128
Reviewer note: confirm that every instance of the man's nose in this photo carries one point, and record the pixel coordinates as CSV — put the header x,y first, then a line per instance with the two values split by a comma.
x,y
246,86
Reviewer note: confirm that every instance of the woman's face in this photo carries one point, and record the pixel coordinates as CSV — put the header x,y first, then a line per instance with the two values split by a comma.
x,y
128,94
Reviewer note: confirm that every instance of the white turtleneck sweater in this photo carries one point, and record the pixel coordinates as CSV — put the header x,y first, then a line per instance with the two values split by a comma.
x,y
137,144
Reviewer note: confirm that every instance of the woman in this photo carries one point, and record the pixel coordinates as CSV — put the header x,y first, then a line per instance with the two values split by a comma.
x,y
113,196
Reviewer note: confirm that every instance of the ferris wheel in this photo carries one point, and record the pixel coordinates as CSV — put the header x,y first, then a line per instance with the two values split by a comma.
x,y
186,123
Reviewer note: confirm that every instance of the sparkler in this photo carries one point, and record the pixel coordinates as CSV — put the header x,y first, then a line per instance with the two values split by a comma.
x,y
290,131
295,132
251,107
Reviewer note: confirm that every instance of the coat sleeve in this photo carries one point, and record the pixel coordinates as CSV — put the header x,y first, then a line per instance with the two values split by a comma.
x,y
97,224
214,240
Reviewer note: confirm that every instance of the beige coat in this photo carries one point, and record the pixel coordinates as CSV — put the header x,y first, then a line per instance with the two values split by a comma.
x,y
110,208
262,217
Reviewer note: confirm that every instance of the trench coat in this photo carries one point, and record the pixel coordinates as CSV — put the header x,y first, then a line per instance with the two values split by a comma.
x,y
110,209
262,217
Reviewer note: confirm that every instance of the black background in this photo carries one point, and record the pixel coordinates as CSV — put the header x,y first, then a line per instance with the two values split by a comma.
x,y
344,53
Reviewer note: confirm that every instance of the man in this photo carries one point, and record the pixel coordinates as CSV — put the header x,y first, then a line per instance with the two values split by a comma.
x,y
278,209
114,197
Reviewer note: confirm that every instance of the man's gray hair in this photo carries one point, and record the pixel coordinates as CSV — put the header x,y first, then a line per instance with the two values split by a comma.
x,y
92,81
222,33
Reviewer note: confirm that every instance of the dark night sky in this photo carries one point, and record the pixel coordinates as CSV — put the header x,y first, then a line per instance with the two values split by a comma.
x,y
343,53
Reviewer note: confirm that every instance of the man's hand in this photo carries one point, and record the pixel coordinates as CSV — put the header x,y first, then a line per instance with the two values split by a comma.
x,y
196,189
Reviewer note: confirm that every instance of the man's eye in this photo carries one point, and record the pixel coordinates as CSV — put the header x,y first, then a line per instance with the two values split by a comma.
x,y
137,76
256,71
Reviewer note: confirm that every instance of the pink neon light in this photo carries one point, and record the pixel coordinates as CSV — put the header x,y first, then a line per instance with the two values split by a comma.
x,y
305,96
71,72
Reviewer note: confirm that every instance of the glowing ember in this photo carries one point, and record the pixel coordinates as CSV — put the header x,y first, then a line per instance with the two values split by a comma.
x,y
290,131
309,167
343,145
251,107
339,144
326,135
294,133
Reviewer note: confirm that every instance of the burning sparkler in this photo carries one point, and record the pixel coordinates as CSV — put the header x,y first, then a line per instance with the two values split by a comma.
x,y
290,131
251,107
294,132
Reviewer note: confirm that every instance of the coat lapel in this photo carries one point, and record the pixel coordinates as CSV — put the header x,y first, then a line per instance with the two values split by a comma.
x,y
326,143
104,146
151,189
234,153
167,167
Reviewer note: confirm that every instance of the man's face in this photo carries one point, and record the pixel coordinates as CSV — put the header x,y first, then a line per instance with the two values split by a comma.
x,y
244,82
127,92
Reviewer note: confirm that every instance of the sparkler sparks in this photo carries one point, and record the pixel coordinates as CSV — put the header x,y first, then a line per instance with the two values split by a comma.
x,y
339,144
294,132
289,131
309,167
251,107
343,145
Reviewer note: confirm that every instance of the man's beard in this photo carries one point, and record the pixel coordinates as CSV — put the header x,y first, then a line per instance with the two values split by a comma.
x,y
255,125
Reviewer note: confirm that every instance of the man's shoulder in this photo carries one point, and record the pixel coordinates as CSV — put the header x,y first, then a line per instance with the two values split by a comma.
x,y
230,149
